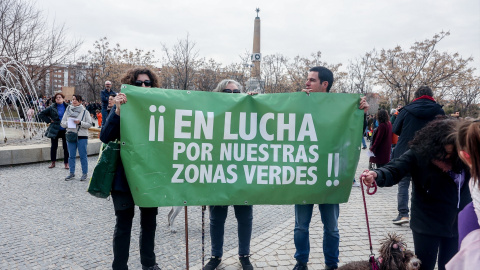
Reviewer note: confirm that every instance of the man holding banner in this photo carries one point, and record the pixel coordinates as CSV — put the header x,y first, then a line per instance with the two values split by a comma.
x,y
320,79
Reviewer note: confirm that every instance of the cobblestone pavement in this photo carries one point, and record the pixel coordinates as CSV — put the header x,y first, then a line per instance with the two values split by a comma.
x,y
48,223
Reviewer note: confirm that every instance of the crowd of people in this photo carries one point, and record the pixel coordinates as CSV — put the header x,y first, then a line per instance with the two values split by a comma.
x,y
415,144
433,152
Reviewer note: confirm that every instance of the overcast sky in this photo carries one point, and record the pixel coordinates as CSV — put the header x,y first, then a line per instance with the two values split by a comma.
x,y
223,29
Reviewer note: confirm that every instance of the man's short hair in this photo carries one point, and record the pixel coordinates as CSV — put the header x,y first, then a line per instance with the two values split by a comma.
x,y
108,82
423,91
324,74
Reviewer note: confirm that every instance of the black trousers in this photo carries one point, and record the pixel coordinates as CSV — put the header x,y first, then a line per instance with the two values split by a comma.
x,y
428,246
123,230
54,147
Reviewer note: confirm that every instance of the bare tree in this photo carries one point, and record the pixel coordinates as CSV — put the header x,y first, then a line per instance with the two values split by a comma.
x,y
360,75
274,73
26,37
104,63
404,71
182,60
208,74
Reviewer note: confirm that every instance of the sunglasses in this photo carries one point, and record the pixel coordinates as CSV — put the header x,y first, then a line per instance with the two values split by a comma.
x,y
146,82
231,91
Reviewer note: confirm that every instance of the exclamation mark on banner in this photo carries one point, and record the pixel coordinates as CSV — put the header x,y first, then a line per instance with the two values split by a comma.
x,y
336,165
151,128
161,125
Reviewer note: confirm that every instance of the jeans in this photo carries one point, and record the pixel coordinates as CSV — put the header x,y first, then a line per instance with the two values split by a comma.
x,y
427,247
402,196
331,237
54,147
363,142
81,144
123,231
218,215
104,115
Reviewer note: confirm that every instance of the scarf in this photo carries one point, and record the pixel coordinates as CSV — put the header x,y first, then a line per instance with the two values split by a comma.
x,y
74,111
424,97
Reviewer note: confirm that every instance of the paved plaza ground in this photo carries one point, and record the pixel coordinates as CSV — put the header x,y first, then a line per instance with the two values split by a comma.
x,y
48,223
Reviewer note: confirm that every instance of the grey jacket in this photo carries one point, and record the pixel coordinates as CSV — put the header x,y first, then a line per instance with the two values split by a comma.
x,y
85,124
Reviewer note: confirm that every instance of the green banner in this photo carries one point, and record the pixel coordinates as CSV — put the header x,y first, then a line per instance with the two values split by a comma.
x,y
183,147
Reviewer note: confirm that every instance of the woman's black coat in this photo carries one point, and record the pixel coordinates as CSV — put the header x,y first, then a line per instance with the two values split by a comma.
x,y
50,116
436,199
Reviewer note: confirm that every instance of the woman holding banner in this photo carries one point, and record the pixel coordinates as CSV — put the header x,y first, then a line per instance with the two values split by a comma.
x,y
218,213
121,194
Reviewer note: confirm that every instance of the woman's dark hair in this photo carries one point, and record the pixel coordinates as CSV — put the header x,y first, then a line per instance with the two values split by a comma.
x,y
78,97
131,76
430,141
55,97
382,116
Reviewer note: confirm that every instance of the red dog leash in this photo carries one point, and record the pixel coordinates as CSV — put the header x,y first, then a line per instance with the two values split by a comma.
x,y
374,185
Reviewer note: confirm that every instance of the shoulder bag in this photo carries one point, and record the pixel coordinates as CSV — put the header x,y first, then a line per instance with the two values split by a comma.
x,y
104,172
73,136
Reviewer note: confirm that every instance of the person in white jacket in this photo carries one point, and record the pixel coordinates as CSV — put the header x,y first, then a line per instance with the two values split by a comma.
x,y
77,120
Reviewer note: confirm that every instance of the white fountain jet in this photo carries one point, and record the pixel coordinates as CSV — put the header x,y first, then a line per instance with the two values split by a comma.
x,y
17,95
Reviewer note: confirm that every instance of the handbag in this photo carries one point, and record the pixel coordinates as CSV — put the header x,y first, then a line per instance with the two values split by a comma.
x,y
102,178
73,136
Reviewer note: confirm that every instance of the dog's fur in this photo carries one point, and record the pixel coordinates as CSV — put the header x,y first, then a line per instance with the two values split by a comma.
x,y
393,256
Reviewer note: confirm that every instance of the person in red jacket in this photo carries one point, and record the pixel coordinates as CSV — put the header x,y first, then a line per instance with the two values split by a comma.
x,y
382,140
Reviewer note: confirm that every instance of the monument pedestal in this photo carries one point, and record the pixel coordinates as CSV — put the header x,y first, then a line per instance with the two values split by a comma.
x,y
255,85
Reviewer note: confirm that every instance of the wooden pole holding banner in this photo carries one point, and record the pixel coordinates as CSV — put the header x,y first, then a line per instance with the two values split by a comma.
x,y
186,237
203,235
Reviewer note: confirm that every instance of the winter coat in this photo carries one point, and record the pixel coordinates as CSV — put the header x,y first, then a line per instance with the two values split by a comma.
x,y
382,144
85,123
121,194
50,115
412,118
105,95
436,198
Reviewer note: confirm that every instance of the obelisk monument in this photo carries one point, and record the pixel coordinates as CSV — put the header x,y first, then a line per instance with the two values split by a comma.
x,y
255,84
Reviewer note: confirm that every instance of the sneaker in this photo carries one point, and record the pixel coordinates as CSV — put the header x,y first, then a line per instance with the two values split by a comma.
x,y
356,184
84,177
330,267
155,267
401,221
213,263
245,261
300,266
70,177
364,147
